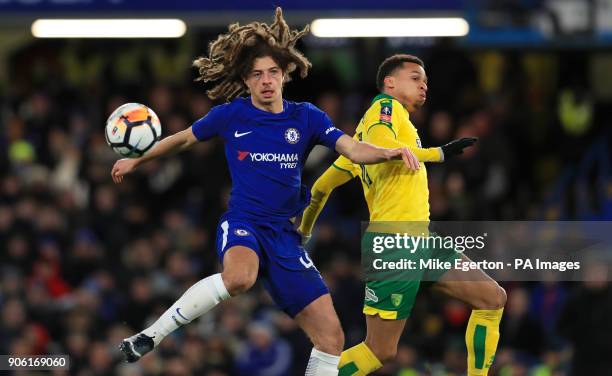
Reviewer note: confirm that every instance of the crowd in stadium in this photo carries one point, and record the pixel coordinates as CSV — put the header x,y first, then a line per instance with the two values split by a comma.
x,y
86,263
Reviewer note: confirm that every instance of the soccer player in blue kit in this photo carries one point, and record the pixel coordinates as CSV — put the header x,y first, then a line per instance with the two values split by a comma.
x,y
267,140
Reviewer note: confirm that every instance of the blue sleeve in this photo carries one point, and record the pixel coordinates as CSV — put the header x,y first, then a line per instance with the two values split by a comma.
x,y
212,123
324,131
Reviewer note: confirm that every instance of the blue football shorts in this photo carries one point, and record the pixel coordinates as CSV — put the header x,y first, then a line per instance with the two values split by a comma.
x,y
285,269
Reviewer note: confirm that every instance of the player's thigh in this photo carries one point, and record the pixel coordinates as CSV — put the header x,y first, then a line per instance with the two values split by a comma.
x,y
240,268
383,336
320,322
239,250
473,287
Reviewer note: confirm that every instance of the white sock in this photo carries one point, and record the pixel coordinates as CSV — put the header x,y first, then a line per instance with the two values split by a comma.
x,y
322,364
196,301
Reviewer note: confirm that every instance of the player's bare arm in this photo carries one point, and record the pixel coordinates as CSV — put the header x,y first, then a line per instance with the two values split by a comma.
x,y
364,153
175,143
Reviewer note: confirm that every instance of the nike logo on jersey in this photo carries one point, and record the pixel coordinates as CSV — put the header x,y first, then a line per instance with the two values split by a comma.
x,y
236,134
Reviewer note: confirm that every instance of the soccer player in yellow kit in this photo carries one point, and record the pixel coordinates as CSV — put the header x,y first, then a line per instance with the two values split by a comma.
x,y
393,194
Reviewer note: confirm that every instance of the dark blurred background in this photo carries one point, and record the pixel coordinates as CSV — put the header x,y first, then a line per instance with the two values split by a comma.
x,y
85,263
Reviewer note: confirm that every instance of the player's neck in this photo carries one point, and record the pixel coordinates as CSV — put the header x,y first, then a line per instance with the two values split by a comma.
x,y
393,95
275,107
398,98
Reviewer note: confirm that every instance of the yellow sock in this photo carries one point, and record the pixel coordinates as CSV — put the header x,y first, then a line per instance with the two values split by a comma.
x,y
358,361
481,338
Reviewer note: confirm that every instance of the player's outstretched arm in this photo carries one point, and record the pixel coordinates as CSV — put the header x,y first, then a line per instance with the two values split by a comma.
x,y
172,144
383,137
320,192
380,135
364,153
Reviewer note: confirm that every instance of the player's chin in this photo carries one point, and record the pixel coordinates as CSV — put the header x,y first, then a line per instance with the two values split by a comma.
x,y
418,105
266,99
420,102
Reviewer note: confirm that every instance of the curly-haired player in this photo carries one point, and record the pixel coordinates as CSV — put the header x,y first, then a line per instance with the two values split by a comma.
x,y
267,140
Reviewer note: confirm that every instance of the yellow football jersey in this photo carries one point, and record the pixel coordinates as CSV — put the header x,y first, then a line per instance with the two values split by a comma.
x,y
355,171
393,193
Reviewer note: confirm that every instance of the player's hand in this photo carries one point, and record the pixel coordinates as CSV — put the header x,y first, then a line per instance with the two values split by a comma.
x,y
456,147
410,160
123,167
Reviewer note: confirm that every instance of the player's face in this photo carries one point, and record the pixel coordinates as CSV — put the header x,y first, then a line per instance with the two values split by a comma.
x,y
265,81
409,85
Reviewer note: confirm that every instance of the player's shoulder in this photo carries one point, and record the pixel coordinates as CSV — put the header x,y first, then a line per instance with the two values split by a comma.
x,y
303,107
306,111
237,103
227,108
235,110
381,109
384,100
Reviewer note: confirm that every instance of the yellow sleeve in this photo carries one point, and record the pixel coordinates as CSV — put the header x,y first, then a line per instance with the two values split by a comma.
x,y
346,165
381,135
334,177
383,122
381,114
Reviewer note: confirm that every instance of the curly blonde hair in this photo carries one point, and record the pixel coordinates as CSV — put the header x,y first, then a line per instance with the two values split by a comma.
x,y
230,57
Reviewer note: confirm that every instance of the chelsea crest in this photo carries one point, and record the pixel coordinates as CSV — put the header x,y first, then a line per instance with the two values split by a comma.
x,y
292,136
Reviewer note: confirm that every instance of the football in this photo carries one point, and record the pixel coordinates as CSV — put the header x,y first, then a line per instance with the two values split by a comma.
x,y
132,130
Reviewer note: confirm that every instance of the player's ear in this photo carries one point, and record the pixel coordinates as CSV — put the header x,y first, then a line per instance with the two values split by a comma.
x,y
389,82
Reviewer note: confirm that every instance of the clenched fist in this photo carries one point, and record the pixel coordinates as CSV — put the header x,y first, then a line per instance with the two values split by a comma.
x,y
123,167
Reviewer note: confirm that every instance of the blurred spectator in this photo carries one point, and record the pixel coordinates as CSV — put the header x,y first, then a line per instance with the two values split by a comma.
x,y
518,330
263,354
585,322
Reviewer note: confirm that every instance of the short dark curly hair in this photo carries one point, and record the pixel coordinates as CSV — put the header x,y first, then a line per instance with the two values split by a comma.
x,y
390,64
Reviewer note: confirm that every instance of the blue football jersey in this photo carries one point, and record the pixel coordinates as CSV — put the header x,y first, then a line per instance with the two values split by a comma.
x,y
266,153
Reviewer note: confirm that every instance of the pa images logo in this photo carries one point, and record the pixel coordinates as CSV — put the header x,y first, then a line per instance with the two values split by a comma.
x,y
292,136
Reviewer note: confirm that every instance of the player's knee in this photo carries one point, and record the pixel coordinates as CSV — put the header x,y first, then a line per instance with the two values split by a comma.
x,y
494,299
237,283
501,297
